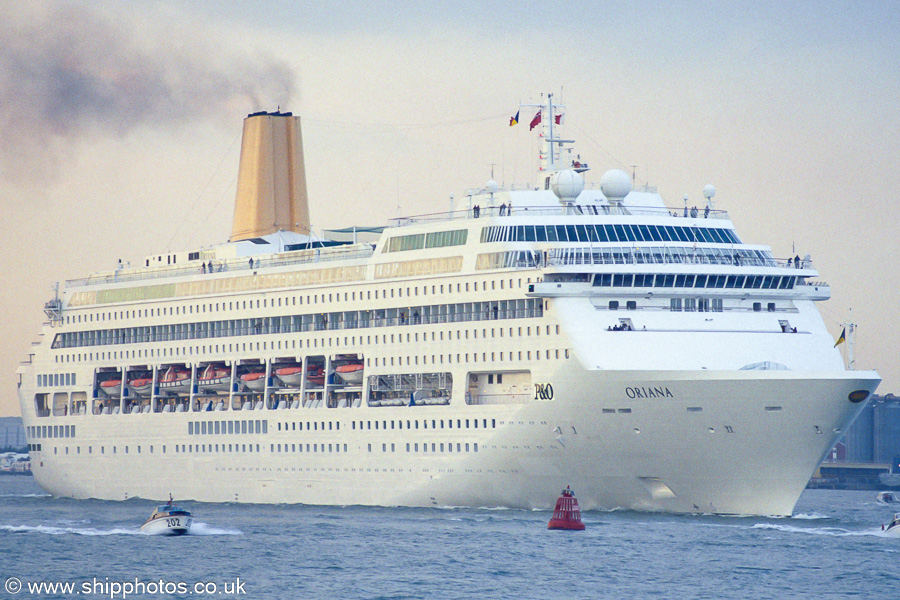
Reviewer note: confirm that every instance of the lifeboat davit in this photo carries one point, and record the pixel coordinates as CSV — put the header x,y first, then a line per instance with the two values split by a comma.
x,y
566,515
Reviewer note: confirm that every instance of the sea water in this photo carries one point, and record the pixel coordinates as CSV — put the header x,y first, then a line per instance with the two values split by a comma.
x,y
833,547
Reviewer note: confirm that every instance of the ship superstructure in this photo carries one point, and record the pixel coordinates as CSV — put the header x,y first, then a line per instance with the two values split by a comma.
x,y
529,340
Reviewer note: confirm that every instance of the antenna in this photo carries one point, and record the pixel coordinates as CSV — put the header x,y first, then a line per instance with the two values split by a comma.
x,y
633,174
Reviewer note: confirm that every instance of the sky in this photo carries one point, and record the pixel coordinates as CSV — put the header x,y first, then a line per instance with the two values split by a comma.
x,y
121,125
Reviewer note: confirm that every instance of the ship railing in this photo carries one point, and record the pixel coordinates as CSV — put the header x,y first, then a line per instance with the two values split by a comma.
x,y
309,256
476,399
518,313
622,255
790,263
266,326
558,210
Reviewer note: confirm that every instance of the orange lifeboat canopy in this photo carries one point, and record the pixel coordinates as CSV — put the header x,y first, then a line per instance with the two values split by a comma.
x,y
566,515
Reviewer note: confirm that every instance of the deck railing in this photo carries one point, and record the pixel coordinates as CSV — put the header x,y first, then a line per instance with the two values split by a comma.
x,y
212,266
194,268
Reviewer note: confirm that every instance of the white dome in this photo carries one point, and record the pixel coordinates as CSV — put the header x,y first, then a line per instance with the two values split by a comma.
x,y
491,187
709,191
615,184
566,184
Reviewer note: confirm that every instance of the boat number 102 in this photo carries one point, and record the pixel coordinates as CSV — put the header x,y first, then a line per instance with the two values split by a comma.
x,y
543,391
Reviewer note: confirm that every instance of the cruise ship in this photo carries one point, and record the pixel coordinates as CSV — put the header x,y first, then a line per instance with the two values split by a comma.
x,y
532,338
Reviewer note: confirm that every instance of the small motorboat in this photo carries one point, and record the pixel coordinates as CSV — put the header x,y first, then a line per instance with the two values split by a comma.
x,y
168,519
888,497
254,381
291,376
351,373
893,529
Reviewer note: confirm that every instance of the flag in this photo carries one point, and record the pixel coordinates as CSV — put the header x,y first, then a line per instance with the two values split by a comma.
x,y
841,339
514,120
535,121
559,119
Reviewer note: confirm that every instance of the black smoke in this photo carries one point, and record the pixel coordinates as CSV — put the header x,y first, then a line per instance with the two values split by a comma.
x,y
67,71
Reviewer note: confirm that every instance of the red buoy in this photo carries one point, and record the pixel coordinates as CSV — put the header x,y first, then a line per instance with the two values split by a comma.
x,y
566,515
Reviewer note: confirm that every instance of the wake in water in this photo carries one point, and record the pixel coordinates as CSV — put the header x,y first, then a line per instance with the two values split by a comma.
x,y
196,529
809,516
50,530
830,531
26,495
207,529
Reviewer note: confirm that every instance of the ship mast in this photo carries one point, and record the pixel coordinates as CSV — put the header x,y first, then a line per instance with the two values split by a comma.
x,y
550,153
847,330
851,361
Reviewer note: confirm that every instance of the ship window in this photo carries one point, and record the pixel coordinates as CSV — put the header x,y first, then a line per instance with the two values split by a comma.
x,y
771,307
757,306
613,305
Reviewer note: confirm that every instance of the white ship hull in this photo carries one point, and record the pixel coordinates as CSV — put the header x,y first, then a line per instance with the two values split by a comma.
x,y
658,456
527,341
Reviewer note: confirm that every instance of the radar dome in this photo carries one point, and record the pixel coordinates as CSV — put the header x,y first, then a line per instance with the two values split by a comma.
x,y
491,187
566,184
615,184
709,191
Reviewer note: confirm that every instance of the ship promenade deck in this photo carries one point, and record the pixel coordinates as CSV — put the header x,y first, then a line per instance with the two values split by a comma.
x,y
635,253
